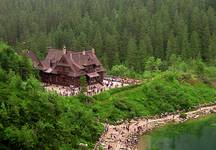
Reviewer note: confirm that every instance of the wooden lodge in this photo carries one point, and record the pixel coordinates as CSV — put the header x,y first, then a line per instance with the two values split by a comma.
x,y
65,67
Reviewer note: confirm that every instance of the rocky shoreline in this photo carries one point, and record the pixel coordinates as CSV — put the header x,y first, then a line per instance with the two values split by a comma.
x,y
125,134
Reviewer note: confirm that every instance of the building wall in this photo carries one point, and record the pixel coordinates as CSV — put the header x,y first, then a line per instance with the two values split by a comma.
x,y
101,76
64,80
59,79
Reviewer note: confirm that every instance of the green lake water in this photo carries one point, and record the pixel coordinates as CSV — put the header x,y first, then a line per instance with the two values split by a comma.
x,y
192,135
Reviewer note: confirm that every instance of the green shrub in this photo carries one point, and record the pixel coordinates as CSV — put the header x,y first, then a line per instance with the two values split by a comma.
x,y
210,72
85,99
121,105
102,96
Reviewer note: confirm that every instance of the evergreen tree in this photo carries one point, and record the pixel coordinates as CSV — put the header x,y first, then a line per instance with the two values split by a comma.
x,y
116,60
131,54
157,41
200,68
110,48
211,20
97,42
194,45
182,38
171,46
205,36
83,84
212,50
145,51
83,45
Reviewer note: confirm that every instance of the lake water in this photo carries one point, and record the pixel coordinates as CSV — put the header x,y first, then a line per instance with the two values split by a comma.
x,y
192,135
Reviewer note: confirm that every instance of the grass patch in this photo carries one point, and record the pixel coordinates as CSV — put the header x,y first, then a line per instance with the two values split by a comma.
x,y
166,93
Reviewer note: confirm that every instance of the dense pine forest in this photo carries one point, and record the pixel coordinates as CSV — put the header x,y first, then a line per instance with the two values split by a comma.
x,y
170,45
122,31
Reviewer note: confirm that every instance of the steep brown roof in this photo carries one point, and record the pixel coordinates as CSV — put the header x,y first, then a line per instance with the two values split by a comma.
x,y
77,61
33,57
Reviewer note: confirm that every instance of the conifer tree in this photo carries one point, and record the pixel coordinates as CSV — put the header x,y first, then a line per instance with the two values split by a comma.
x,y
194,45
97,42
212,50
171,46
83,84
145,50
131,54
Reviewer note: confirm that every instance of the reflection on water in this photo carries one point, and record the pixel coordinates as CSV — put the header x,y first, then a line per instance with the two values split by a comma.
x,y
195,136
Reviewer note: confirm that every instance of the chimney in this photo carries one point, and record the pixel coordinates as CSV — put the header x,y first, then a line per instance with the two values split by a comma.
x,y
84,52
64,50
93,50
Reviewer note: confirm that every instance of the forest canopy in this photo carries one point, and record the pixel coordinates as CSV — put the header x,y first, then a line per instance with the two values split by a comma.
x,y
122,31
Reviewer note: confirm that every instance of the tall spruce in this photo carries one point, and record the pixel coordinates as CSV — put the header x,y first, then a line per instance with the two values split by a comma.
x,y
132,54
171,45
194,45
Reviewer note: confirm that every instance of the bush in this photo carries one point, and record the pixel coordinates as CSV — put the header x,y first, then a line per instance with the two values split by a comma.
x,y
121,105
119,70
153,64
85,99
200,68
170,76
210,72
102,96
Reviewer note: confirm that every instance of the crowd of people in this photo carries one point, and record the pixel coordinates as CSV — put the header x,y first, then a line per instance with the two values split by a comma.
x,y
62,90
108,83
122,80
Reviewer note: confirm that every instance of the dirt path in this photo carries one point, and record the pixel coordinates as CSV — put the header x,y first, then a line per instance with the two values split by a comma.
x,y
125,135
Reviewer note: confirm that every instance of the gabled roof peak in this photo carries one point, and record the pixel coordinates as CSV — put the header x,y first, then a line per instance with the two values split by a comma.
x,y
77,60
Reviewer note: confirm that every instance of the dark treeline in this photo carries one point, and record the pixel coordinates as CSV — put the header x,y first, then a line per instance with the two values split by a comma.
x,y
122,31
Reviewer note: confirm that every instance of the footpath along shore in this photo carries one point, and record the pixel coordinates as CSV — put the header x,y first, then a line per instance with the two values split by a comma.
x,y
124,136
